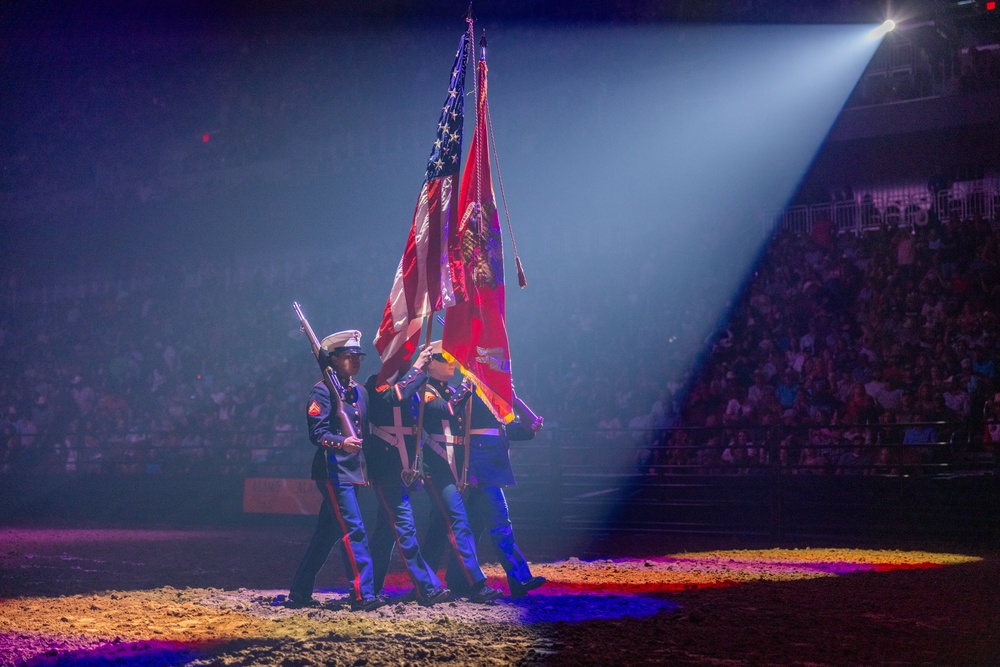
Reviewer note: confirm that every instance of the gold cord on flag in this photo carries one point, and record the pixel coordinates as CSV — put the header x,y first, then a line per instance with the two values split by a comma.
x,y
521,280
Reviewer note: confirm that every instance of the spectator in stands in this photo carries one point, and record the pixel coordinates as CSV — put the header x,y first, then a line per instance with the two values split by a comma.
x,y
956,399
710,448
982,365
736,455
759,392
678,449
812,462
920,436
787,392
860,407
856,458
738,410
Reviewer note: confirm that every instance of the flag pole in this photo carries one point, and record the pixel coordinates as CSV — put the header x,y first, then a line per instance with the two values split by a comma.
x,y
464,482
413,474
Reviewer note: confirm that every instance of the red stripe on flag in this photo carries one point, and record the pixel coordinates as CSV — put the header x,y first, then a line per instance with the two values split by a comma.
x,y
437,216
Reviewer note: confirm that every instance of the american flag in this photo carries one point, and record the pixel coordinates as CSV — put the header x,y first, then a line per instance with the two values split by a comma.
x,y
430,275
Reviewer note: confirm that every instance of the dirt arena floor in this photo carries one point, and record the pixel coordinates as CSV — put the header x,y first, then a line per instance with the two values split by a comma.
x,y
169,597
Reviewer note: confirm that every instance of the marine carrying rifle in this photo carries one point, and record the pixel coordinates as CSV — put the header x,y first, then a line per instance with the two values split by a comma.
x,y
329,377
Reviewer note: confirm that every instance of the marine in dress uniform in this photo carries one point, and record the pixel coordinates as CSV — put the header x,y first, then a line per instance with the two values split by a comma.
x,y
443,430
338,470
390,447
489,471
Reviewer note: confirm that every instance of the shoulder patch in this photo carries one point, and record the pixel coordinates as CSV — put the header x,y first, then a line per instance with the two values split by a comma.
x,y
314,409
429,396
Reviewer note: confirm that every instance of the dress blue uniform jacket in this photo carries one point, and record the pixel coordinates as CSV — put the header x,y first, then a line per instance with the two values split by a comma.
x,y
381,453
336,464
443,410
489,451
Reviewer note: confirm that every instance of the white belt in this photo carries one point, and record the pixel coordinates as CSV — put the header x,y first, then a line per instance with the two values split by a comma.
x,y
484,431
447,451
392,438
446,439
383,433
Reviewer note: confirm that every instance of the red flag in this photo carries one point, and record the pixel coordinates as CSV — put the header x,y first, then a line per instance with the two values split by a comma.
x,y
429,276
475,330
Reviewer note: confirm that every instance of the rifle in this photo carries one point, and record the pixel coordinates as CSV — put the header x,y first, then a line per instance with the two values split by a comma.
x,y
329,377
523,411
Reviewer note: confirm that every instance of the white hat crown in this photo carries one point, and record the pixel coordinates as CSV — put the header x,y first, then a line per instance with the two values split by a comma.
x,y
349,339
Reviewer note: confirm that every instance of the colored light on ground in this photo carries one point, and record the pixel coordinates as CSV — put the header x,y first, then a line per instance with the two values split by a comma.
x,y
723,568
176,626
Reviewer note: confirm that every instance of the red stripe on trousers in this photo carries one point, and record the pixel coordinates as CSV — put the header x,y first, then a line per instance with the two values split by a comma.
x,y
347,541
451,533
392,520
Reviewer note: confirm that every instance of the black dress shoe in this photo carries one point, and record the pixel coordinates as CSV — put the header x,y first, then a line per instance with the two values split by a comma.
x,y
518,589
482,593
298,601
436,596
413,595
368,604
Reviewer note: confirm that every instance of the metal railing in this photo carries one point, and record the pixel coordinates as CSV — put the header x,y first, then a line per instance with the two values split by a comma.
x,y
772,482
154,453
558,453
785,481
901,207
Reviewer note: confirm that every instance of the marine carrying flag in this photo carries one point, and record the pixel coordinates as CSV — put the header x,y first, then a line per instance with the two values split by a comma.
x,y
475,330
429,276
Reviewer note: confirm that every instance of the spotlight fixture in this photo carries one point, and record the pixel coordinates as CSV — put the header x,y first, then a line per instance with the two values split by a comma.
x,y
887,26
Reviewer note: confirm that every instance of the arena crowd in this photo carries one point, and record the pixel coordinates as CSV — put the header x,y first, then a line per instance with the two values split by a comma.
x,y
844,353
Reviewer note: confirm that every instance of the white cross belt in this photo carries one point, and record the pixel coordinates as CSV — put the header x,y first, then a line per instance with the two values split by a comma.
x,y
395,435
443,444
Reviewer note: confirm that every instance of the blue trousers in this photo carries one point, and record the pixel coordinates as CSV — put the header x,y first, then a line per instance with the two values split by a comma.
x,y
449,527
395,527
339,521
487,508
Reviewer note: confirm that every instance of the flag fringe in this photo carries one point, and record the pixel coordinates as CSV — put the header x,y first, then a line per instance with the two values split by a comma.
x,y
486,395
